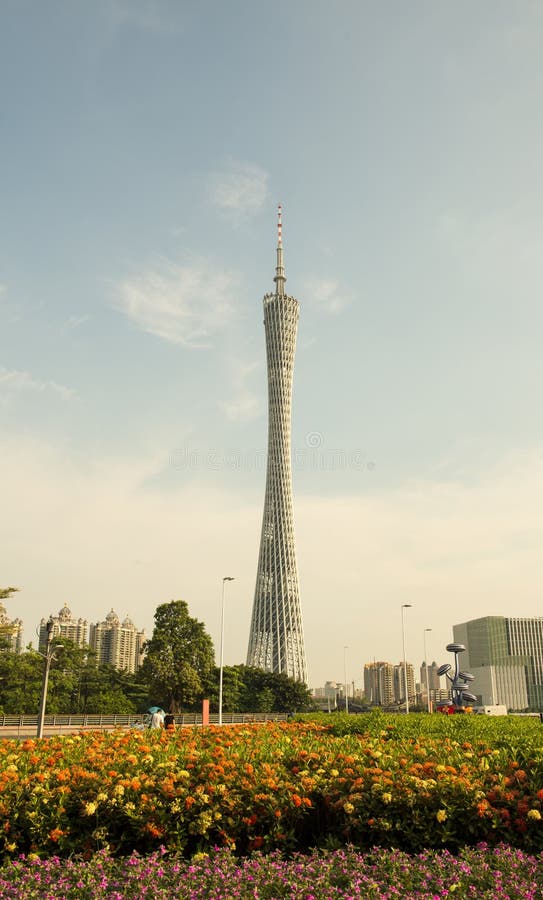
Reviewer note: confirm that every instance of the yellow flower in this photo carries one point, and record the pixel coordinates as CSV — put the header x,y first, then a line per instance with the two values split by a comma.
x,y
334,773
534,814
441,815
349,808
387,798
89,808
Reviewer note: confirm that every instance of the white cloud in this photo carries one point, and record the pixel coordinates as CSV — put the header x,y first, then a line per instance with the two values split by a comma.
x,y
242,405
182,304
14,381
327,294
239,189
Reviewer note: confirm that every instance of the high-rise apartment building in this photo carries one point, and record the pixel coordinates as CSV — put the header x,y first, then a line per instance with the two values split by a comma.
x,y
118,644
64,625
506,656
399,683
434,681
276,640
379,683
11,632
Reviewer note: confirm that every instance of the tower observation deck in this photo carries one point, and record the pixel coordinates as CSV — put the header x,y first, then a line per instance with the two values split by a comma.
x,y
276,640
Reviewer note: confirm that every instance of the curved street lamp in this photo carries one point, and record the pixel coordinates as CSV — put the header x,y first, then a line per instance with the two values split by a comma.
x,y
221,665
405,606
345,678
428,701
48,656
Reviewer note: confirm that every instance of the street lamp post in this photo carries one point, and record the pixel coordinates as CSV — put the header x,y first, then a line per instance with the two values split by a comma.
x,y
49,656
221,666
345,678
428,701
405,606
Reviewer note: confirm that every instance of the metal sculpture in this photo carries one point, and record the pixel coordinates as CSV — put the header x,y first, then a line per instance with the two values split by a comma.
x,y
459,681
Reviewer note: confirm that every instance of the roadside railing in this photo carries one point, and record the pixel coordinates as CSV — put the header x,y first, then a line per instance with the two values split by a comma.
x,y
111,721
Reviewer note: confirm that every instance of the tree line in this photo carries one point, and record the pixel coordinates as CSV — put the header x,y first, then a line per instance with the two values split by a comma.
x,y
178,671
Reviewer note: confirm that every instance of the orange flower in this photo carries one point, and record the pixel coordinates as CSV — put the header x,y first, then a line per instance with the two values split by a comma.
x,y
56,834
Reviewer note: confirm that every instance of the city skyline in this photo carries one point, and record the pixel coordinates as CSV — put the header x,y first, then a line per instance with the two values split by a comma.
x,y
145,146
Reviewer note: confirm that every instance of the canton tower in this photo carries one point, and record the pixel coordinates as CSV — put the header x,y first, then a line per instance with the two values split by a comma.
x,y
276,641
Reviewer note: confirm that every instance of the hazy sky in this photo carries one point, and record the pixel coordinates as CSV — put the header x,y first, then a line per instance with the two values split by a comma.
x,y
144,147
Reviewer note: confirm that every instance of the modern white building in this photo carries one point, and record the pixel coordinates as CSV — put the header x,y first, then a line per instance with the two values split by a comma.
x,y
118,644
505,654
276,639
64,625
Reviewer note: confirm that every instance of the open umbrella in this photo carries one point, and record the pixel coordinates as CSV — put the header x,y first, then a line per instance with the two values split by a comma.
x,y
154,709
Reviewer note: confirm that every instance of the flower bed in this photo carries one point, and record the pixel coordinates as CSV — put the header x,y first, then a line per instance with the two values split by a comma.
x,y
291,786
481,873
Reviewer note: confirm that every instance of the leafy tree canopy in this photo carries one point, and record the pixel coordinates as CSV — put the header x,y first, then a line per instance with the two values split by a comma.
x,y
180,658
247,689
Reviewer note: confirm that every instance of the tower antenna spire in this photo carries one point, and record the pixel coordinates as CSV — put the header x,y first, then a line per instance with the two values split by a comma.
x,y
280,276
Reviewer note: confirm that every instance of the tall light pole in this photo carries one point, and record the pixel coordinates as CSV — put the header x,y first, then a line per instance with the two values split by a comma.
x,y
49,656
345,678
221,666
405,606
428,701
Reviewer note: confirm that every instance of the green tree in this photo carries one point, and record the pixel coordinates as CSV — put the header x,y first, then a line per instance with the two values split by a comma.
x,y
20,682
6,631
180,658
257,690
232,687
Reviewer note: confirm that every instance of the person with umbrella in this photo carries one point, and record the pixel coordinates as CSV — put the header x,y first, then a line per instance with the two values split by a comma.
x,y
157,717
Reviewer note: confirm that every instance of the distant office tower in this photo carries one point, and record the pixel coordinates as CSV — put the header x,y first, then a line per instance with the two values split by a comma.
x,y
118,644
379,683
11,632
64,625
506,657
276,640
434,681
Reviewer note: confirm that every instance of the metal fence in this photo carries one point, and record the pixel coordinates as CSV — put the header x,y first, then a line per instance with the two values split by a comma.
x,y
60,722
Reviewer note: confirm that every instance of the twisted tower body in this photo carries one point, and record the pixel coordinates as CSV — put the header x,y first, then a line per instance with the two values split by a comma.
x,y
276,641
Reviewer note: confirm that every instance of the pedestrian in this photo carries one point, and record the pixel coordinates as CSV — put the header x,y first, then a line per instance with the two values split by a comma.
x,y
157,719
169,721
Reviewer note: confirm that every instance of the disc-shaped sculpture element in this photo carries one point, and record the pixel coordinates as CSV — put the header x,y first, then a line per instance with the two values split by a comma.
x,y
446,667
455,648
467,696
467,676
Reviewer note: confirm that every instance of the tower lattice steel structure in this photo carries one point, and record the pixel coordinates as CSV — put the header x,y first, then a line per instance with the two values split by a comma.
x,y
276,641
